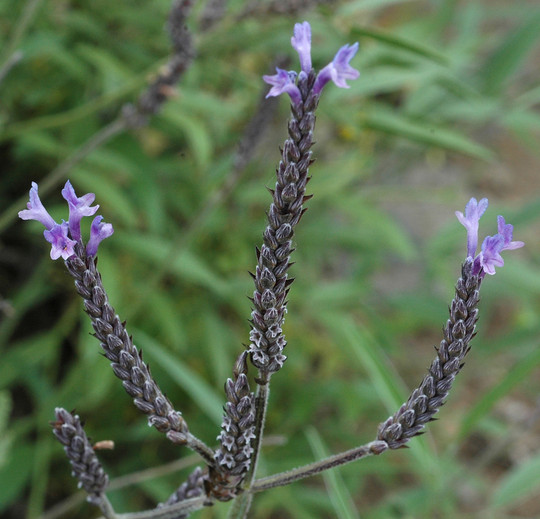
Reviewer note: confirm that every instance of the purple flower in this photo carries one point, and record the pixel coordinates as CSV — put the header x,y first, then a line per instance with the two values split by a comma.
x,y
78,207
506,231
490,257
98,232
283,82
64,236
62,245
36,211
492,246
339,70
473,212
301,42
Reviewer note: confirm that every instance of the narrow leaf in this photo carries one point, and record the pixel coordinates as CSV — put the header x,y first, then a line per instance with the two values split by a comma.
x,y
199,390
337,491
522,482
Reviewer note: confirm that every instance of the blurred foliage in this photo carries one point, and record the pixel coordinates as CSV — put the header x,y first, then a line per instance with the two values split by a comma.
x,y
447,107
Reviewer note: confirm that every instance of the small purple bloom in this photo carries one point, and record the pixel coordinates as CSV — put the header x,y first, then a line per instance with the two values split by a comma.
x,y
98,232
62,245
473,212
78,207
339,70
283,82
506,231
301,42
490,257
36,211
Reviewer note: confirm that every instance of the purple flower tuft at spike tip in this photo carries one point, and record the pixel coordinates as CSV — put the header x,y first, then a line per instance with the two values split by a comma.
x,y
338,71
64,236
492,246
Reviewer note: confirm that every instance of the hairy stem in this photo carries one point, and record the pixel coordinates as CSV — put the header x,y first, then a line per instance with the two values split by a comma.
x,y
169,512
261,405
285,478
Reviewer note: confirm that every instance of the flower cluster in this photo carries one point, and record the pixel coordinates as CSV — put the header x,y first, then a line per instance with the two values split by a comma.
x,y
338,71
489,256
64,236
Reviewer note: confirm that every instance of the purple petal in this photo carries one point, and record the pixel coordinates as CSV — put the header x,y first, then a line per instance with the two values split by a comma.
x,y
339,71
78,208
62,245
98,232
506,231
490,256
36,211
283,82
301,42
473,212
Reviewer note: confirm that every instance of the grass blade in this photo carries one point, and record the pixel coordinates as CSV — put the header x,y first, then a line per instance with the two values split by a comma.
x,y
338,493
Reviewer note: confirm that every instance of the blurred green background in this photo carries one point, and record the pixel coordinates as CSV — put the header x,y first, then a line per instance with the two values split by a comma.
x,y
447,107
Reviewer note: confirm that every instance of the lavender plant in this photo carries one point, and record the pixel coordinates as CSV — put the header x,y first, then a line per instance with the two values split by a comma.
x,y
229,471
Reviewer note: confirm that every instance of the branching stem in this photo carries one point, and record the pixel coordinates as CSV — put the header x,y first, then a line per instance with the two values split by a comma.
x,y
285,478
261,404
170,512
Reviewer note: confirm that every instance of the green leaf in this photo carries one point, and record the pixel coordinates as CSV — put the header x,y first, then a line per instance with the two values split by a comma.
x,y
523,481
5,437
383,120
359,5
185,264
112,70
337,491
193,131
15,473
506,60
400,43
200,391
386,382
109,194
516,375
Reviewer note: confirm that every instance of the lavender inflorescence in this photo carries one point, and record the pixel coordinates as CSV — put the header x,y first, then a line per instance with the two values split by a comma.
x,y
267,340
427,399
87,469
271,280
237,430
192,487
118,347
126,360
230,467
